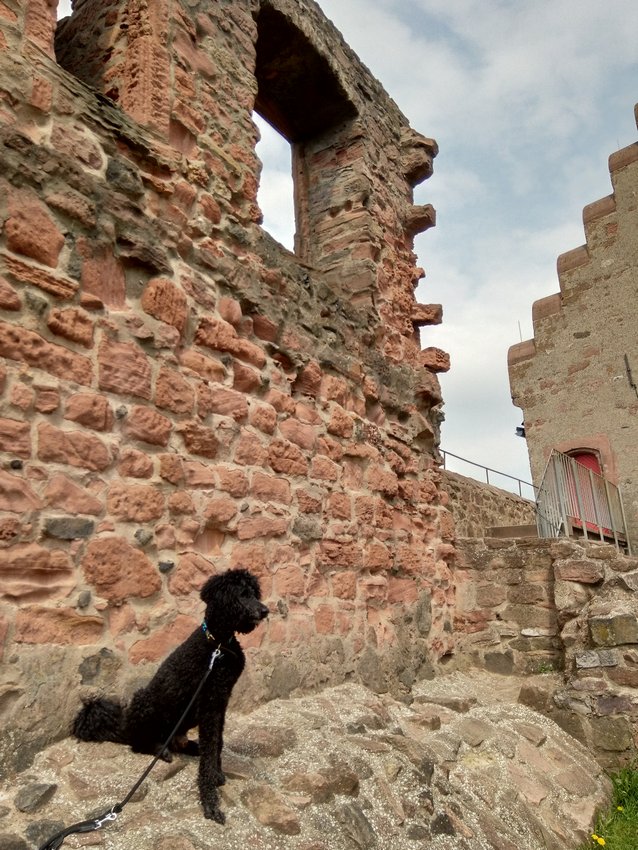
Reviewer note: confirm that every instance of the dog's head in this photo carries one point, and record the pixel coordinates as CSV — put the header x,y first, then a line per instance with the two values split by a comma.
x,y
233,602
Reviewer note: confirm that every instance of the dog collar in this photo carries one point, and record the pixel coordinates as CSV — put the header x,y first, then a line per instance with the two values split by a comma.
x,y
211,636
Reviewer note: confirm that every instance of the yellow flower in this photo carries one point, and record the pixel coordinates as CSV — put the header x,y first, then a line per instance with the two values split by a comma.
x,y
601,841
620,808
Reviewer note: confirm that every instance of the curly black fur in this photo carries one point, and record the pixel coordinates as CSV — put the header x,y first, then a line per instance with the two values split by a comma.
x,y
232,605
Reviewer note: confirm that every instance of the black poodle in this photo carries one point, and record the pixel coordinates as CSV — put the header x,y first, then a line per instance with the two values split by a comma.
x,y
232,605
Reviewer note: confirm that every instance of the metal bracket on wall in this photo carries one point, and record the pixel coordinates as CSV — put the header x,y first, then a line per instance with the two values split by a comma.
x,y
630,377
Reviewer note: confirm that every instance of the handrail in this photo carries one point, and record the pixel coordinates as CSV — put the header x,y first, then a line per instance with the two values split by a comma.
x,y
575,500
487,471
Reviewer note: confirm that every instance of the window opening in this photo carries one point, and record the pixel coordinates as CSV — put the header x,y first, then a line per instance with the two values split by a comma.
x,y
299,95
276,189
64,9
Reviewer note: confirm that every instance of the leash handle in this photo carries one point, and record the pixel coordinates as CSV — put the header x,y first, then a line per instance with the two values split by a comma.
x,y
97,823
84,826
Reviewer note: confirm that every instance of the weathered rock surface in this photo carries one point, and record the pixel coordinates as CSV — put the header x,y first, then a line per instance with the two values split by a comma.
x,y
341,770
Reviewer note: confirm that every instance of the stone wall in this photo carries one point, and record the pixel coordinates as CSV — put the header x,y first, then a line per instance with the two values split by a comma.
x,y
477,506
576,379
178,393
555,605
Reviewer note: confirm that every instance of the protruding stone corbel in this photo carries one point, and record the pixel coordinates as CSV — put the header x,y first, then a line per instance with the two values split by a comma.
x,y
435,359
418,218
417,153
426,314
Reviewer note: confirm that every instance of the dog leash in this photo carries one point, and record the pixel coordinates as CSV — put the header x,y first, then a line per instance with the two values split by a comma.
x,y
97,823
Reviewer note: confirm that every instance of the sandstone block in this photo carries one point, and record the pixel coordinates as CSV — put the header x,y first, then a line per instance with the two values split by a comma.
x,y
226,402
134,464
324,469
25,273
250,450
62,626
382,480
282,402
199,440
118,570
435,360
232,481
72,323
15,437
30,229
47,399
135,502
149,426
198,475
218,512
102,274
261,526
166,301
245,379
163,640
263,417
72,447
341,423
268,488
18,343
90,410
124,368
16,494
585,572
9,298
29,571
614,629
222,336
340,556
192,571
66,495
287,458
309,380
208,368
303,435
173,392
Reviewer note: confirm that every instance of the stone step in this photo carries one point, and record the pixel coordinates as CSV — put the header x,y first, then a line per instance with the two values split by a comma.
x,y
516,531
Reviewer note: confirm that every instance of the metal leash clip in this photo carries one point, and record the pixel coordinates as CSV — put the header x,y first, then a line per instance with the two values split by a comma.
x,y
109,816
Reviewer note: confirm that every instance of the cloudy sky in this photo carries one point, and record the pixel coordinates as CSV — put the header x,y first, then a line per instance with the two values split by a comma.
x,y
527,99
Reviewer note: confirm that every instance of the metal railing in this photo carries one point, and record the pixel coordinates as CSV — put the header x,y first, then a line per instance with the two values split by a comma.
x,y
573,500
487,470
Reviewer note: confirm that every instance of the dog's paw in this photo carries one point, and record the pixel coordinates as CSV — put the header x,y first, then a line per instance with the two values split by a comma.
x,y
214,813
164,755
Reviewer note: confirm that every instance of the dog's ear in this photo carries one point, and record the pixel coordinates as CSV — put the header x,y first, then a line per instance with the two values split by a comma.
x,y
208,591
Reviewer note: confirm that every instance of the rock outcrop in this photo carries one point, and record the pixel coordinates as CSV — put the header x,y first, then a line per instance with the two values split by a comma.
x,y
461,766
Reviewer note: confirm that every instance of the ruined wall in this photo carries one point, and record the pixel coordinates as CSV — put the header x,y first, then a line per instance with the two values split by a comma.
x,y
478,507
539,606
179,394
576,379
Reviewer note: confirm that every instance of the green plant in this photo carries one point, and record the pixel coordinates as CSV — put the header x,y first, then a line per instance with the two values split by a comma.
x,y
618,828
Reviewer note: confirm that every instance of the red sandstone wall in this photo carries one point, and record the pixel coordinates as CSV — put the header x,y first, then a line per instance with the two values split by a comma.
x,y
179,394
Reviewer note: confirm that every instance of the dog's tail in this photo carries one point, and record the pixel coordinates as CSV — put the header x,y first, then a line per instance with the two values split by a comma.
x,y
100,720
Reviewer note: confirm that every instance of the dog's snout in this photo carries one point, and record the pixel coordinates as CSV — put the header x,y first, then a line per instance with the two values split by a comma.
x,y
263,611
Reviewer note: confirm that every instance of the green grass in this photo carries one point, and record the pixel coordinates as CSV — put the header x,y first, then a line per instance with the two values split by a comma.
x,y
618,828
